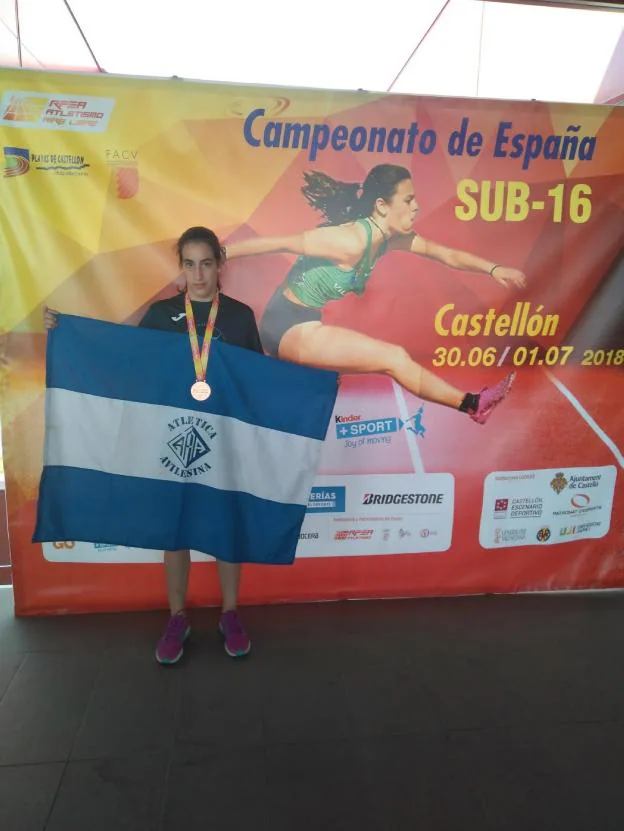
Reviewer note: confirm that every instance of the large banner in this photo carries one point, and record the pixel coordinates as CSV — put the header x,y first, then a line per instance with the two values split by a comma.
x,y
425,248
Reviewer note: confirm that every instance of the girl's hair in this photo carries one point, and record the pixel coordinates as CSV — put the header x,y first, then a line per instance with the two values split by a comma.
x,y
200,234
345,201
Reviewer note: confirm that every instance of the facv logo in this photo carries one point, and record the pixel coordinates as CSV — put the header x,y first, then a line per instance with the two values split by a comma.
x,y
352,426
330,500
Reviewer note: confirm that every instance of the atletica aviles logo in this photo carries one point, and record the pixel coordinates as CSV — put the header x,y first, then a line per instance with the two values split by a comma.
x,y
188,447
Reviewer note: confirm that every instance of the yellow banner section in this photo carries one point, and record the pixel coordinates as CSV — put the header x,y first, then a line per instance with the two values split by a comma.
x,y
86,137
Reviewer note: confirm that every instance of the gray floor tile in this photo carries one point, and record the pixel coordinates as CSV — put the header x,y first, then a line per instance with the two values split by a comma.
x,y
385,701
220,701
133,708
514,774
44,705
468,690
217,788
26,795
414,782
496,713
111,795
9,664
319,785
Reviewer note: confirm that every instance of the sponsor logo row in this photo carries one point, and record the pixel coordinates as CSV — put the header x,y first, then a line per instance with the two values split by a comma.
x,y
507,536
546,506
333,500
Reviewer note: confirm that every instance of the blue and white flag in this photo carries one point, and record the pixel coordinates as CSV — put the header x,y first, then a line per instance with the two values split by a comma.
x,y
132,459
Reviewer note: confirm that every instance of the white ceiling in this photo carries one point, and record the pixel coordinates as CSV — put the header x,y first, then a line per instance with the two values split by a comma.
x,y
493,50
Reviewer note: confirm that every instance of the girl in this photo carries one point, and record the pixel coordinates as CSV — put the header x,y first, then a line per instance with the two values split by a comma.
x,y
362,224
201,258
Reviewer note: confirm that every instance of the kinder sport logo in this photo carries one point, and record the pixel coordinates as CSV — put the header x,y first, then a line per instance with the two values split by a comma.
x,y
356,432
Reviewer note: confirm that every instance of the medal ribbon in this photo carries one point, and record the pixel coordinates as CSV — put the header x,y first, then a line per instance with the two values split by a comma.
x,y
200,361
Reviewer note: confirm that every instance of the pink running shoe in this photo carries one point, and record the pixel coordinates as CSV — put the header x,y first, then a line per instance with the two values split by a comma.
x,y
491,397
171,646
235,639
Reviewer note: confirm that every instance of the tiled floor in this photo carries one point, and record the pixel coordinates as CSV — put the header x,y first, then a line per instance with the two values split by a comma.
x,y
433,715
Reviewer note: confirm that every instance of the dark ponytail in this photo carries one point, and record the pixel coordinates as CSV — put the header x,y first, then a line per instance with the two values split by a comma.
x,y
336,201
342,202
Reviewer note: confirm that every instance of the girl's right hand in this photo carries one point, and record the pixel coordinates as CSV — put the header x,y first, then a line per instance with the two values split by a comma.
x,y
50,318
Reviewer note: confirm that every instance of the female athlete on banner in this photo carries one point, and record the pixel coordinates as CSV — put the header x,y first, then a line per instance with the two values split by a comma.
x,y
363,223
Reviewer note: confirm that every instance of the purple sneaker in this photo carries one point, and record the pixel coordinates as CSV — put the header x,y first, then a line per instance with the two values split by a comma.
x,y
171,646
235,638
491,397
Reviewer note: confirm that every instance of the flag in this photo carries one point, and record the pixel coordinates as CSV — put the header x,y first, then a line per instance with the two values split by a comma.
x,y
131,459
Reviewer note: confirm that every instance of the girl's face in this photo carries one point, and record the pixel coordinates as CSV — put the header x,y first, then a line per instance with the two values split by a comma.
x,y
201,270
400,211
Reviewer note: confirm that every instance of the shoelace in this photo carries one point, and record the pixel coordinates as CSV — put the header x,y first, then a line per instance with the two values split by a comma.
x,y
176,625
232,624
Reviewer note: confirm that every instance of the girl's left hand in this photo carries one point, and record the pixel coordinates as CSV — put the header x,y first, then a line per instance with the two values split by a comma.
x,y
509,277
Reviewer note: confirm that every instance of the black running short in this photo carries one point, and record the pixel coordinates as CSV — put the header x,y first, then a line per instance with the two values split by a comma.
x,y
280,315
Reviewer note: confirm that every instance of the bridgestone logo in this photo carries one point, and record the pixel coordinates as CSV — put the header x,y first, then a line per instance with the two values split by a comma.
x,y
403,499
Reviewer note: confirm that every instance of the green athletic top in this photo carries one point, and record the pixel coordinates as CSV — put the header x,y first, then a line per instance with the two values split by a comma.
x,y
315,281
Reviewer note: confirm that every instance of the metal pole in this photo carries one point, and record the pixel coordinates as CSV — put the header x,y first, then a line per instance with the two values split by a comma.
x,y
419,44
82,34
19,36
